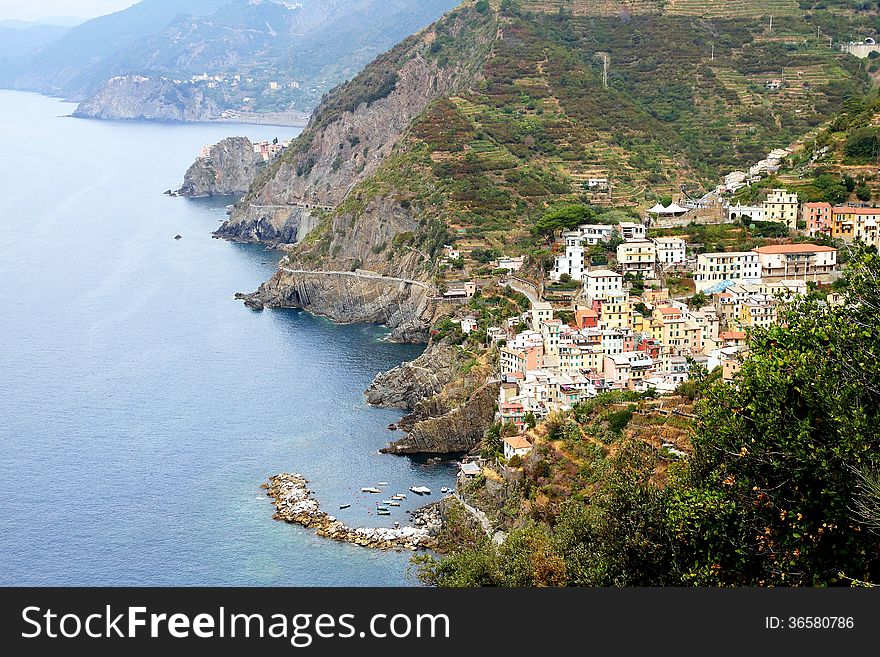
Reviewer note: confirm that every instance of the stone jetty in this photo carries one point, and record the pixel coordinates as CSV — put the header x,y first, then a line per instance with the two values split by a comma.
x,y
294,504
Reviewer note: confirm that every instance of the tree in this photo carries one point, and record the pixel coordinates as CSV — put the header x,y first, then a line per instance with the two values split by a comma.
x,y
698,300
776,452
564,218
863,193
863,144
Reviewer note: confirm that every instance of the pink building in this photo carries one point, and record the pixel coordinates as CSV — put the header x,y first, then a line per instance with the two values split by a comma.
x,y
817,216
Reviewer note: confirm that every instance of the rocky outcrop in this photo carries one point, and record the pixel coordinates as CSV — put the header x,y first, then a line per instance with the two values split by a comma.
x,y
457,426
228,169
273,225
294,504
408,384
148,99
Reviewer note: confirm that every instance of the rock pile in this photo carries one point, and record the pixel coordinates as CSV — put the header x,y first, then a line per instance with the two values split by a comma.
x,y
294,504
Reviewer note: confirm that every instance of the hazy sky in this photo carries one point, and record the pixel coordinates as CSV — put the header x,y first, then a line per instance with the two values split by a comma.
x,y
36,9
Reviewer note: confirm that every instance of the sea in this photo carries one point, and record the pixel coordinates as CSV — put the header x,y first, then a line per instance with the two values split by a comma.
x,y
141,405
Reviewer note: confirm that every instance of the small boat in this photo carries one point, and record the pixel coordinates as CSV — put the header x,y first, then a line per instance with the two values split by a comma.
x,y
383,483
386,502
444,490
392,427
370,490
344,506
394,504
178,237
381,508
421,490
383,512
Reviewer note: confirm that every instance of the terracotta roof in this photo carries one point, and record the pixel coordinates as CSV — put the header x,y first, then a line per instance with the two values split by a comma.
x,y
732,335
669,311
511,407
817,205
848,210
518,442
794,248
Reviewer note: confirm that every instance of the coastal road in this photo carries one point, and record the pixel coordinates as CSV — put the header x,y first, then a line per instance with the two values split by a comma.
x,y
497,537
362,275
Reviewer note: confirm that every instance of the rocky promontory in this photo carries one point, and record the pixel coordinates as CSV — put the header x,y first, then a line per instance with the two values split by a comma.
x,y
228,169
142,98
294,504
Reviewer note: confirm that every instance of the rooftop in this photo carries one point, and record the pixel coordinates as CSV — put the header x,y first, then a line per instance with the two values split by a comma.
x,y
518,442
794,248
603,273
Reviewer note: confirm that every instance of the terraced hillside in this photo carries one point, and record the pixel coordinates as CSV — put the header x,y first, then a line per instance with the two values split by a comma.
x,y
651,100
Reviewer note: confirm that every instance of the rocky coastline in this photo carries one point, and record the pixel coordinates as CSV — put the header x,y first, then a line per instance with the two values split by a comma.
x,y
295,504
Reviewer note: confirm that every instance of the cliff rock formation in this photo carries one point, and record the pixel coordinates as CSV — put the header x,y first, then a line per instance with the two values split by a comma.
x,y
148,99
228,170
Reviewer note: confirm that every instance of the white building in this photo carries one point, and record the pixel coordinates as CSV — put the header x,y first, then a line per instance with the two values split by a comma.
x,y
632,231
753,212
516,446
602,284
570,262
670,250
736,266
542,312
594,233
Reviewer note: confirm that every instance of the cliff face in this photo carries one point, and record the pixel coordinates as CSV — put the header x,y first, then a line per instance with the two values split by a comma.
x,y
452,401
148,99
357,127
228,170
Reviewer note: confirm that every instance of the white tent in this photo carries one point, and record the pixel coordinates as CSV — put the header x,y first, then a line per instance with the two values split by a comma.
x,y
657,209
675,209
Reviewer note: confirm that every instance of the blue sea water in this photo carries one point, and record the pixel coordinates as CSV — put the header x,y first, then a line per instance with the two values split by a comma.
x,y
141,406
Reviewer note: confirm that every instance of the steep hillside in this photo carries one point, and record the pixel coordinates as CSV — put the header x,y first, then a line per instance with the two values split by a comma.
x,y
474,144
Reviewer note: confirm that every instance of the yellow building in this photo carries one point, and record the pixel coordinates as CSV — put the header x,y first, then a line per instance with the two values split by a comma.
x,y
782,206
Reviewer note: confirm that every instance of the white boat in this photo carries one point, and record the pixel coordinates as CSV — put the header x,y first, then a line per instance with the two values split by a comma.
x,y
383,483
370,490
386,502
444,490
394,504
421,490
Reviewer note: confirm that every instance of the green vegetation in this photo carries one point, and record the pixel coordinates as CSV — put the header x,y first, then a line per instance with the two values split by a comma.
x,y
779,488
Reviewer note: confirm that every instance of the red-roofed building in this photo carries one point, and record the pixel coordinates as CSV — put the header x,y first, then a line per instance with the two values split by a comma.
x,y
516,446
796,260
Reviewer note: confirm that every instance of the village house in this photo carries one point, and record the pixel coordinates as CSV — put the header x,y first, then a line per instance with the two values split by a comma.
x,y
852,224
516,446
782,206
511,264
757,311
671,251
541,312
796,260
817,217
512,413
739,212
637,257
736,266
602,283
591,234
571,261
632,231
629,366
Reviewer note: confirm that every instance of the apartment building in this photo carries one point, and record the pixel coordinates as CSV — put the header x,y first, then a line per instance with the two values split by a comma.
x,y
736,266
